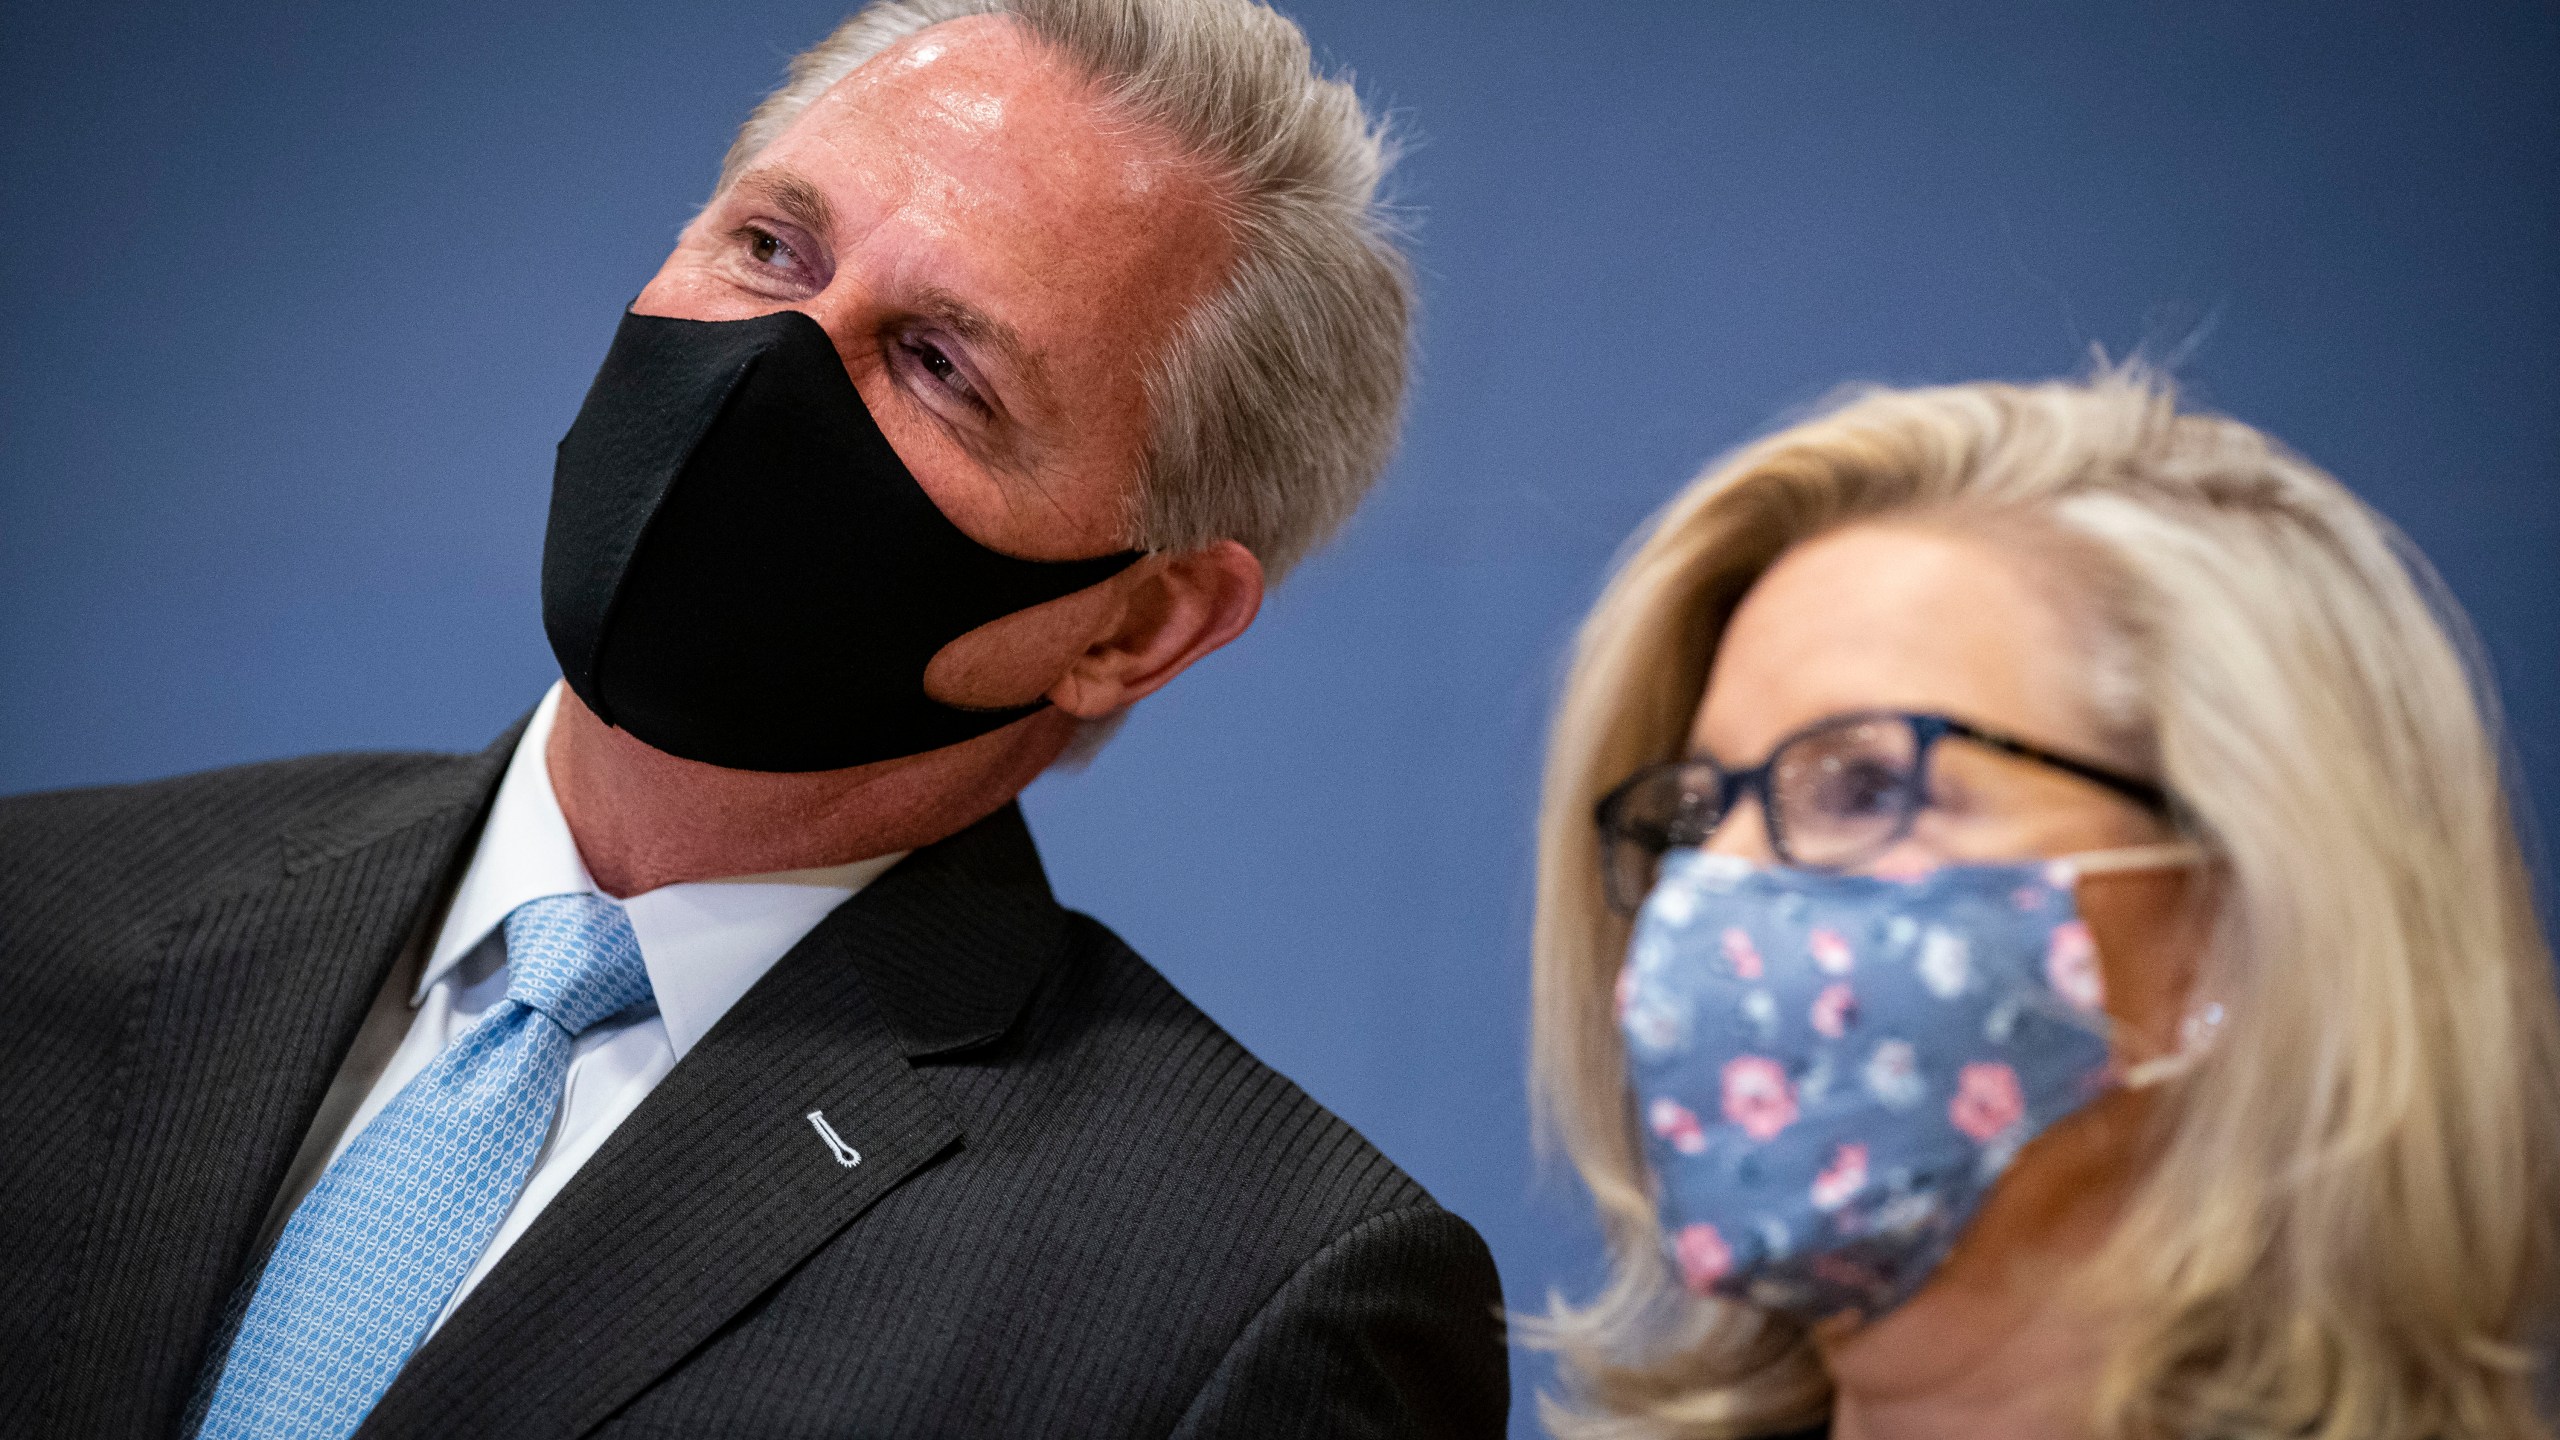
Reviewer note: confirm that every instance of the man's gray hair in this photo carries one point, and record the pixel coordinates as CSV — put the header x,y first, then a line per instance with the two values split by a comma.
x,y
1275,407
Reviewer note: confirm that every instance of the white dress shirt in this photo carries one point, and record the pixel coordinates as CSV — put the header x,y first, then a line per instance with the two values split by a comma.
x,y
704,944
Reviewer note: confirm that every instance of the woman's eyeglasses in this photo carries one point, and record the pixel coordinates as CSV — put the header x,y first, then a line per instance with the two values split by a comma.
x,y
1835,794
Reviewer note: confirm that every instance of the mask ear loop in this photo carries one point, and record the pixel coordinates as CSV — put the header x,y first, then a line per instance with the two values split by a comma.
x,y
2203,1022
2168,854
2196,1035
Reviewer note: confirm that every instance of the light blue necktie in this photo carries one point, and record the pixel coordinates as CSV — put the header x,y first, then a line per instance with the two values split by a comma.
x,y
372,1254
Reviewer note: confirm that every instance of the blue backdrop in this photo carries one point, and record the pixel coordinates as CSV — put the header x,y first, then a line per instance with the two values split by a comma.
x,y
300,295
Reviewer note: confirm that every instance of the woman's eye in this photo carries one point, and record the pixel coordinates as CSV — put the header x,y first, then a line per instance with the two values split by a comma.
x,y
1855,788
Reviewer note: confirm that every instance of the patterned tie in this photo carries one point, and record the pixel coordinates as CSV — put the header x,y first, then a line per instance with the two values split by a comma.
x,y
372,1254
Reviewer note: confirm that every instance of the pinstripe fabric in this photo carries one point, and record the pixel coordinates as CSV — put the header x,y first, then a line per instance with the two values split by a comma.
x,y
194,956
1081,1209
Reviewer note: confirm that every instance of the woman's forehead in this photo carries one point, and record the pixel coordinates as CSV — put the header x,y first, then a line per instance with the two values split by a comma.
x,y
1896,618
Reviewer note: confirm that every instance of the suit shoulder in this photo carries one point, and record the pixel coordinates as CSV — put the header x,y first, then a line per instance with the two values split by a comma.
x,y
1163,1077
161,837
1224,1219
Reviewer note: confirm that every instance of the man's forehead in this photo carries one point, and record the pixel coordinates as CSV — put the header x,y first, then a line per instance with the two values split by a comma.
x,y
962,73
971,163
979,113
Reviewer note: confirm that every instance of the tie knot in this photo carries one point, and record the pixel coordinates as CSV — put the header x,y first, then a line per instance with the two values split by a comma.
x,y
574,958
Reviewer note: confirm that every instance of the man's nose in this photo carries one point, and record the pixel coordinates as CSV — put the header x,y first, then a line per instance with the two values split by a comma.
x,y
848,310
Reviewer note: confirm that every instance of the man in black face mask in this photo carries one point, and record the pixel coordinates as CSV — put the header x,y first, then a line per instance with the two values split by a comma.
x,y
709,1056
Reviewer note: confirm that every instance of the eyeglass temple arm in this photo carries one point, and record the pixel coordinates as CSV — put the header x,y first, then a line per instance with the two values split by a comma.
x,y
2141,792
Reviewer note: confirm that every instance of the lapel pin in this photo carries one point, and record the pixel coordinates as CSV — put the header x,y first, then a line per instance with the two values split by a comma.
x,y
845,1154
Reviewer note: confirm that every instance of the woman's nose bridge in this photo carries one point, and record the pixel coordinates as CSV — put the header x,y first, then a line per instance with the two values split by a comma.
x,y
1743,831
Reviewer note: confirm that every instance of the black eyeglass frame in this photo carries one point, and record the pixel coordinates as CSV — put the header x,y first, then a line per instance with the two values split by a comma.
x,y
1732,785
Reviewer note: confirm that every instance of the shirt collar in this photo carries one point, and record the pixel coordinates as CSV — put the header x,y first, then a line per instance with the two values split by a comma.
x,y
704,943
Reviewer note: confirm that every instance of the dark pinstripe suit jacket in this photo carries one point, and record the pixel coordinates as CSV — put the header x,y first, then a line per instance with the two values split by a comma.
x,y
1081,1208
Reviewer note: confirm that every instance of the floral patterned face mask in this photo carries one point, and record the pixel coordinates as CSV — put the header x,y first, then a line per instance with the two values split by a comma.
x,y
1831,1070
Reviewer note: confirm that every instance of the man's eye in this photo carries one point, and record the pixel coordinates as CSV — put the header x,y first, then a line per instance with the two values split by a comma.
x,y
767,248
939,365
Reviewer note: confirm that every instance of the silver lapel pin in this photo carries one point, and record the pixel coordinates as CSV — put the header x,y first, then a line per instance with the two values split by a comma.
x,y
845,1154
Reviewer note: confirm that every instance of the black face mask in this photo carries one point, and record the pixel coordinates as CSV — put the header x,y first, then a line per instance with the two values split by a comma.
x,y
740,570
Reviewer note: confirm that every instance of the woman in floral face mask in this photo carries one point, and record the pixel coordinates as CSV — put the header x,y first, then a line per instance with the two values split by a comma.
x,y
2031,943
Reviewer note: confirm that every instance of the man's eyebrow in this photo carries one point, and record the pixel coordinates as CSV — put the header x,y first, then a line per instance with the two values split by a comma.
x,y
805,205
980,328
800,202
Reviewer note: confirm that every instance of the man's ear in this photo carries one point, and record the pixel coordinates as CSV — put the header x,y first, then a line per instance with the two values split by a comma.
x,y
1171,611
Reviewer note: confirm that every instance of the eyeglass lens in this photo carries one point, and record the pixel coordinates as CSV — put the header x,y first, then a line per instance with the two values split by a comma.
x,y
1666,806
1844,792
1840,794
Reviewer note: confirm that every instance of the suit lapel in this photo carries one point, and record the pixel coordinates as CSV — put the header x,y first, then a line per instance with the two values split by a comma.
x,y
229,1046
720,1184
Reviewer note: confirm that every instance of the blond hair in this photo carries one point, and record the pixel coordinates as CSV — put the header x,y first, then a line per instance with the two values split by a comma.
x,y
2347,1225
1275,407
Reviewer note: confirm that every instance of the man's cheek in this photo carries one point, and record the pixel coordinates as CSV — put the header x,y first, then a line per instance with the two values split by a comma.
x,y
1015,659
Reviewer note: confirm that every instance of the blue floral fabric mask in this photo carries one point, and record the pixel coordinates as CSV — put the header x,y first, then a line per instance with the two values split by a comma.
x,y
1831,1070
